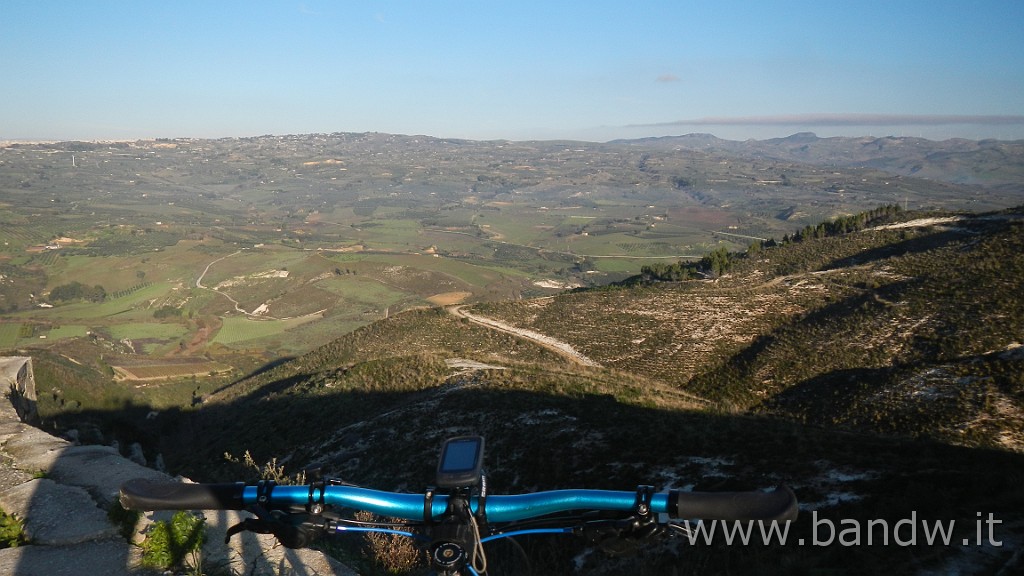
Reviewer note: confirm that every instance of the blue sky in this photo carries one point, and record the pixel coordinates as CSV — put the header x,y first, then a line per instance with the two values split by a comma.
x,y
595,70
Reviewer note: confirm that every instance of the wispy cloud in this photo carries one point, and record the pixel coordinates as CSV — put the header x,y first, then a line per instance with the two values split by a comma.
x,y
668,78
842,120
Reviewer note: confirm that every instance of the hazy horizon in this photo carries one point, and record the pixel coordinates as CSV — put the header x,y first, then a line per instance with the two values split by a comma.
x,y
725,131
521,70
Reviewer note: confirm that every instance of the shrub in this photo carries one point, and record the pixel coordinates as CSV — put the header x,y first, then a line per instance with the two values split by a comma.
x,y
12,531
391,553
269,470
172,544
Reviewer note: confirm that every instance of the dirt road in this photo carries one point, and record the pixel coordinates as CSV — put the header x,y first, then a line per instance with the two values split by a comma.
x,y
556,346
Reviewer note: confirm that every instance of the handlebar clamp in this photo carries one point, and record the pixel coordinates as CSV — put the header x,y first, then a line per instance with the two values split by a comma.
x,y
316,504
428,506
263,490
644,496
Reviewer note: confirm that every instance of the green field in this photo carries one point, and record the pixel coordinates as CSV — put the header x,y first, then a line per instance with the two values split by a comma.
x,y
67,331
359,293
239,330
9,334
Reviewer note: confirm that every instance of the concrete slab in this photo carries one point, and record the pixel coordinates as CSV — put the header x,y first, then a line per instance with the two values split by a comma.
x,y
10,427
104,558
11,476
34,449
98,469
56,515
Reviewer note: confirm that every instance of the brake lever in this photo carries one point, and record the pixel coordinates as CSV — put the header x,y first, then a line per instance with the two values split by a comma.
x,y
625,536
291,530
248,525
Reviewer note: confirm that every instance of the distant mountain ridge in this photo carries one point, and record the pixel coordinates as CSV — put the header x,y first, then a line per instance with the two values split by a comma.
x,y
987,162
961,161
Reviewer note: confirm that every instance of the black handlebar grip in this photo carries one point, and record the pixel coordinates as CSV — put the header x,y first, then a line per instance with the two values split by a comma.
x,y
143,494
779,504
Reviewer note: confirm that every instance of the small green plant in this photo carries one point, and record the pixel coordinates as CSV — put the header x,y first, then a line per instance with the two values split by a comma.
x,y
125,520
12,531
175,544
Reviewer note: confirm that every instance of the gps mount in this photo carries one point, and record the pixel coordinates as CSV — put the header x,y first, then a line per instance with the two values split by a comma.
x,y
455,539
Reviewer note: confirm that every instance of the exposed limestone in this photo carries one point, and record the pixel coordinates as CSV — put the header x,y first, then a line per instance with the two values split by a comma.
x,y
62,492
56,515
107,557
99,470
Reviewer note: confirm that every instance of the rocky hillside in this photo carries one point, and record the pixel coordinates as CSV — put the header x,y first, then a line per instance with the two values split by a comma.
x,y
912,328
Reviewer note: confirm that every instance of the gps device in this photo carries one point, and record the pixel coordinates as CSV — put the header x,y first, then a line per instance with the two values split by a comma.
x,y
462,458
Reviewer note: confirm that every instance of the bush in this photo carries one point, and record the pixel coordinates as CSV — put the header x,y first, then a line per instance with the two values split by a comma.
x,y
12,532
171,544
390,553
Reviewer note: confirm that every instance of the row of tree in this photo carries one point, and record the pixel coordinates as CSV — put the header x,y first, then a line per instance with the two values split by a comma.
x,y
712,265
845,224
720,261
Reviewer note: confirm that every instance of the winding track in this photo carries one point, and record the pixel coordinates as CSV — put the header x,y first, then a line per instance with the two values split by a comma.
x,y
557,346
199,283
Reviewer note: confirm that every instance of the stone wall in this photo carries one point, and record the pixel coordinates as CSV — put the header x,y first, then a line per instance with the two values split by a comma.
x,y
16,373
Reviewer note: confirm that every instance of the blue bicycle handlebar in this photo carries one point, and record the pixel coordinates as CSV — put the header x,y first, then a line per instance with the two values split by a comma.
x,y
140,494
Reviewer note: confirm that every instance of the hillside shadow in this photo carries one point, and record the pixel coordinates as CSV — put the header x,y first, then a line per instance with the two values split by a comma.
x,y
834,313
841,396
914,245
824,321
257,372
559,439
269,366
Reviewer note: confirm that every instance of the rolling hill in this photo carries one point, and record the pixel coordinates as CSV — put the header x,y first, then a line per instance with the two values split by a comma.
x,y
873,362
244,251
877,371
